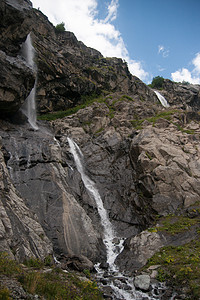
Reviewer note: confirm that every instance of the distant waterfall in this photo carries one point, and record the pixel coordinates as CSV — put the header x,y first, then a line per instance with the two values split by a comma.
x,y
162,99
29,106
109,234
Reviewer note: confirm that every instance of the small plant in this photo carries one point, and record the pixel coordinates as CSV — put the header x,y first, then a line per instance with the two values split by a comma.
x,y
4,293
34,263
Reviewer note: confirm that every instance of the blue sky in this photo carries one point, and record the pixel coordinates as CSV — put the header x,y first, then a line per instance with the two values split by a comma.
x,y
155,37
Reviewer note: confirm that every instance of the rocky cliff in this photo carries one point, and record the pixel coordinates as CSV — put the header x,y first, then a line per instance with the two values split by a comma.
x,y
144,159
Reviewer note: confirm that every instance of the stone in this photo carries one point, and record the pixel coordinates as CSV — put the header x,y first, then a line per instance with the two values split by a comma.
x,y
142,282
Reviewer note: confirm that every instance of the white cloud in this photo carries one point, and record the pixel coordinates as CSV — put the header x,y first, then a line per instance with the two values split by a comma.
x,y
163,51
81,17
112,11
186,75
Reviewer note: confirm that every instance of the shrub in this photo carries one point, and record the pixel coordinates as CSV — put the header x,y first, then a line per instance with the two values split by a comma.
x,y
60,27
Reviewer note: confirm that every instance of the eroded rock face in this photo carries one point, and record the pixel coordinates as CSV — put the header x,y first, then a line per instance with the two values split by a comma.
x,y
21,235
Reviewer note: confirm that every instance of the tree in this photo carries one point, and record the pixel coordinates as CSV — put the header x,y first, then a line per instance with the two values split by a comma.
x,y
157,82
60,27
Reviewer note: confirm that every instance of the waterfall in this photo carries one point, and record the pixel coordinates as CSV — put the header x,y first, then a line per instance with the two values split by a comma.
x,y
29,106
124,289
108,232
162,99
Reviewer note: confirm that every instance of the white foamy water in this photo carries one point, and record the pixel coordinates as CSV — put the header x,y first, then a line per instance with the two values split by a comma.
x,y
29,106
162,99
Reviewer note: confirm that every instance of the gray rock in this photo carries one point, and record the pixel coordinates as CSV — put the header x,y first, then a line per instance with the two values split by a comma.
x,y
142,282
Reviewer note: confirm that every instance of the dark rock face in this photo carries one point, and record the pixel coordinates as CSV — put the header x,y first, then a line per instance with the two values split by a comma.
x,y
184,95
21,235
16,82
17,79
37,172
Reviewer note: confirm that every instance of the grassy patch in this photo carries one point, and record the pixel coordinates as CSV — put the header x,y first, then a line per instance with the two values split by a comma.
x,y
86,101
174,225
54,284
180,267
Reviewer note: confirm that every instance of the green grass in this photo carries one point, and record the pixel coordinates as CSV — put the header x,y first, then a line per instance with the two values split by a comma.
x,y
54,284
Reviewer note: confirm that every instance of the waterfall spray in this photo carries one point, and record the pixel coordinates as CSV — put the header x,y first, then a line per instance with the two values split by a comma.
x,y
162,99
29,106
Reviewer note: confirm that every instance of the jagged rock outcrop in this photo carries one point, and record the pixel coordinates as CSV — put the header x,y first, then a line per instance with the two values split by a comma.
x,y
167,163
185,95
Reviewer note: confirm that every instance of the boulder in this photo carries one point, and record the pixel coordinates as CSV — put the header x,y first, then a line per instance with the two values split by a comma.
x,y
142,282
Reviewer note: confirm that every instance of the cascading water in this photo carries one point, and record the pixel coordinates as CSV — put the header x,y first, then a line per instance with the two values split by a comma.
x,y
162,99
29,106
119,291
109,234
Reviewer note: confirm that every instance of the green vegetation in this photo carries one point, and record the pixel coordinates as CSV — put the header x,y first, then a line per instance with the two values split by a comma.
x,y
86,101
175,224
167,115
60,27
54,284
180,266
157,82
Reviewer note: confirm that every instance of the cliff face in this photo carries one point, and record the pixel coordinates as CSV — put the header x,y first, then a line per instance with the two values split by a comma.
x,y
187,96
144,159
67,69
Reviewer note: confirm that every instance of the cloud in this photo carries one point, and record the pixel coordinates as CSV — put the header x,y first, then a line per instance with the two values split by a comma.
x,y
112,11
186,75
163,51
81,17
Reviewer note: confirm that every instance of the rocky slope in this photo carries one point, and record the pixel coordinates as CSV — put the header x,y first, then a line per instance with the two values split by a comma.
x,y
144,159
186,95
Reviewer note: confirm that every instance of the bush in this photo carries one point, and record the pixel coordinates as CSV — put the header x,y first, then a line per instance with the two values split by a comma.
x,y
60,27
157,82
